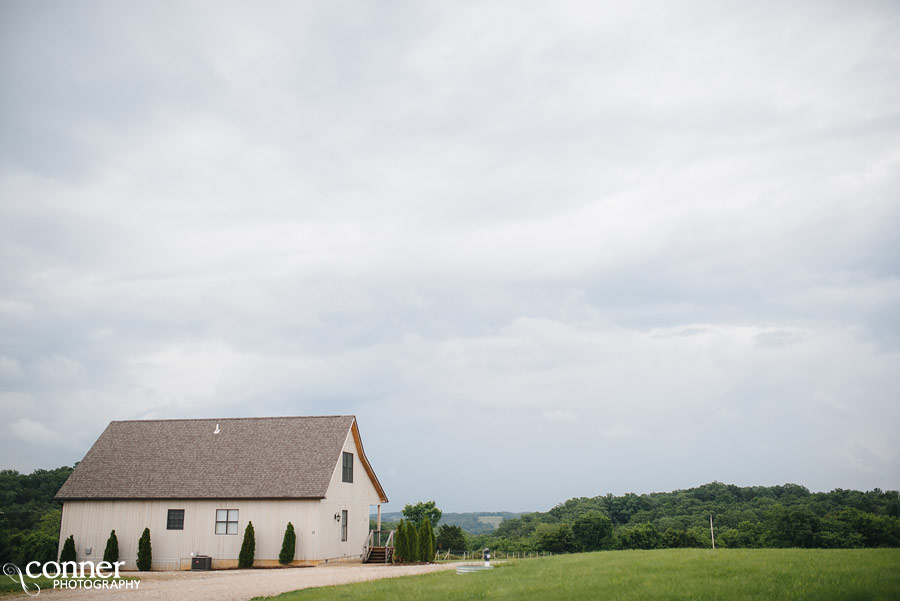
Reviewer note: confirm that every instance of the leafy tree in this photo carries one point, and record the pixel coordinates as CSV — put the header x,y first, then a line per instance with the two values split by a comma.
x,y
418,512
145,552
640,536
555,538
793,526
592,531
40,544
68,550
451,538
426,541
248,547
683,539
747,534
288,545
111,553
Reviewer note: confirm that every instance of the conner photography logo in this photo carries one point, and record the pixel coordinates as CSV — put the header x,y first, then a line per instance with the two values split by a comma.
x,y
70,575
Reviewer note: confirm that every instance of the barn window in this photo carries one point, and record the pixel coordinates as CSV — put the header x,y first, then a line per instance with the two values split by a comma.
x,y
226,521
347,474
175,519
344,524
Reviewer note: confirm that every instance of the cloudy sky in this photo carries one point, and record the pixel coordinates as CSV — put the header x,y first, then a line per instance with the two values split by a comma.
x,y
541,250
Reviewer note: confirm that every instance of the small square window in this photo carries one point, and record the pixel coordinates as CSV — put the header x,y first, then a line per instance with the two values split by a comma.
x,y
226,521
175,519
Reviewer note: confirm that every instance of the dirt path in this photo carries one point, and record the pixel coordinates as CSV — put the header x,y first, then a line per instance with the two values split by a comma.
x,y
239,585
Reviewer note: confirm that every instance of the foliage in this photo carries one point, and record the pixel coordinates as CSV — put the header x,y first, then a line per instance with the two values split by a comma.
x,y
288,545
68,550
555,538
418,512
248,547
732,574
111,553
640,536
412,543
426,541
593,531
401,545
793,526
40,544
451,538
674,538
29,522
750,517
473,522
145,552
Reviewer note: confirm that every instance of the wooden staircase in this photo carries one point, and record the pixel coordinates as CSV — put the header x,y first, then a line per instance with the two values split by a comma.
x,y
374,553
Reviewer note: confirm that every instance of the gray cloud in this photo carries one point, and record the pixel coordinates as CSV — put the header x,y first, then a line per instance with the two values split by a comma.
x,y
631,247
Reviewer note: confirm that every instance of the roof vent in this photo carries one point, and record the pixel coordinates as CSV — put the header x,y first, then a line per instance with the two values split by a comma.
x,y
217,429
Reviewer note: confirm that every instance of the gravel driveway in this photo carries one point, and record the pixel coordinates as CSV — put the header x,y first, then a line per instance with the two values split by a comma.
x,y
240,585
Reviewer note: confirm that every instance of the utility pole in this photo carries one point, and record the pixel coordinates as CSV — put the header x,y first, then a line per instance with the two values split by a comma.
x,y
712,534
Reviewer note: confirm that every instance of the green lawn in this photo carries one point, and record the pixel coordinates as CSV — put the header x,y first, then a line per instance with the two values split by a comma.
x,y
671,574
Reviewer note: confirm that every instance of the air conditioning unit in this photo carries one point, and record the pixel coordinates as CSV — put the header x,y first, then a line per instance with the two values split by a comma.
x,y
201,562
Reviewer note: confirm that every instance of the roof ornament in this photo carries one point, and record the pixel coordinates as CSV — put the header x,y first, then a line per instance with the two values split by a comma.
x,y
217,429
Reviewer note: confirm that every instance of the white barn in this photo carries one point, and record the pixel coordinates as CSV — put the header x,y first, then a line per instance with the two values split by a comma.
x,y
196,483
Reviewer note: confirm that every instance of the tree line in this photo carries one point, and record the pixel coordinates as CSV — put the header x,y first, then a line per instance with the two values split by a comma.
x,y
753,517
29,516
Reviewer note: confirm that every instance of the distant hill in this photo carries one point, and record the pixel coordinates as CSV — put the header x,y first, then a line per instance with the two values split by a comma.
x,y
477,522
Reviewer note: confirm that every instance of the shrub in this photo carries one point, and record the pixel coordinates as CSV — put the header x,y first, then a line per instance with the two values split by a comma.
x,y
248,548
426,541
145,552
68,550
400,545
412,543
288,545
111,553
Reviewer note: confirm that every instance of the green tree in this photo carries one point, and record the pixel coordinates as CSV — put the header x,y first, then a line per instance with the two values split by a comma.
x,y
145,552
593,531
793,526
400,542
288,545
555,538
675,538
640,536
68,550
412,543
111,553
39,544
418,512
451,538
248,547
426,541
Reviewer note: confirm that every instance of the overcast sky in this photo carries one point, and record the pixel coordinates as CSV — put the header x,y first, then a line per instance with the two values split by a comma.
x,y
540,250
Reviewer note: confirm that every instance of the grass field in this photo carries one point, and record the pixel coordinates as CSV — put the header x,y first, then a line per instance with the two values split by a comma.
x,y
671,574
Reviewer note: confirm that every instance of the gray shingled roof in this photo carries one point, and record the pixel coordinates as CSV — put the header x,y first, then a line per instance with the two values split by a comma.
x,y
264,457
